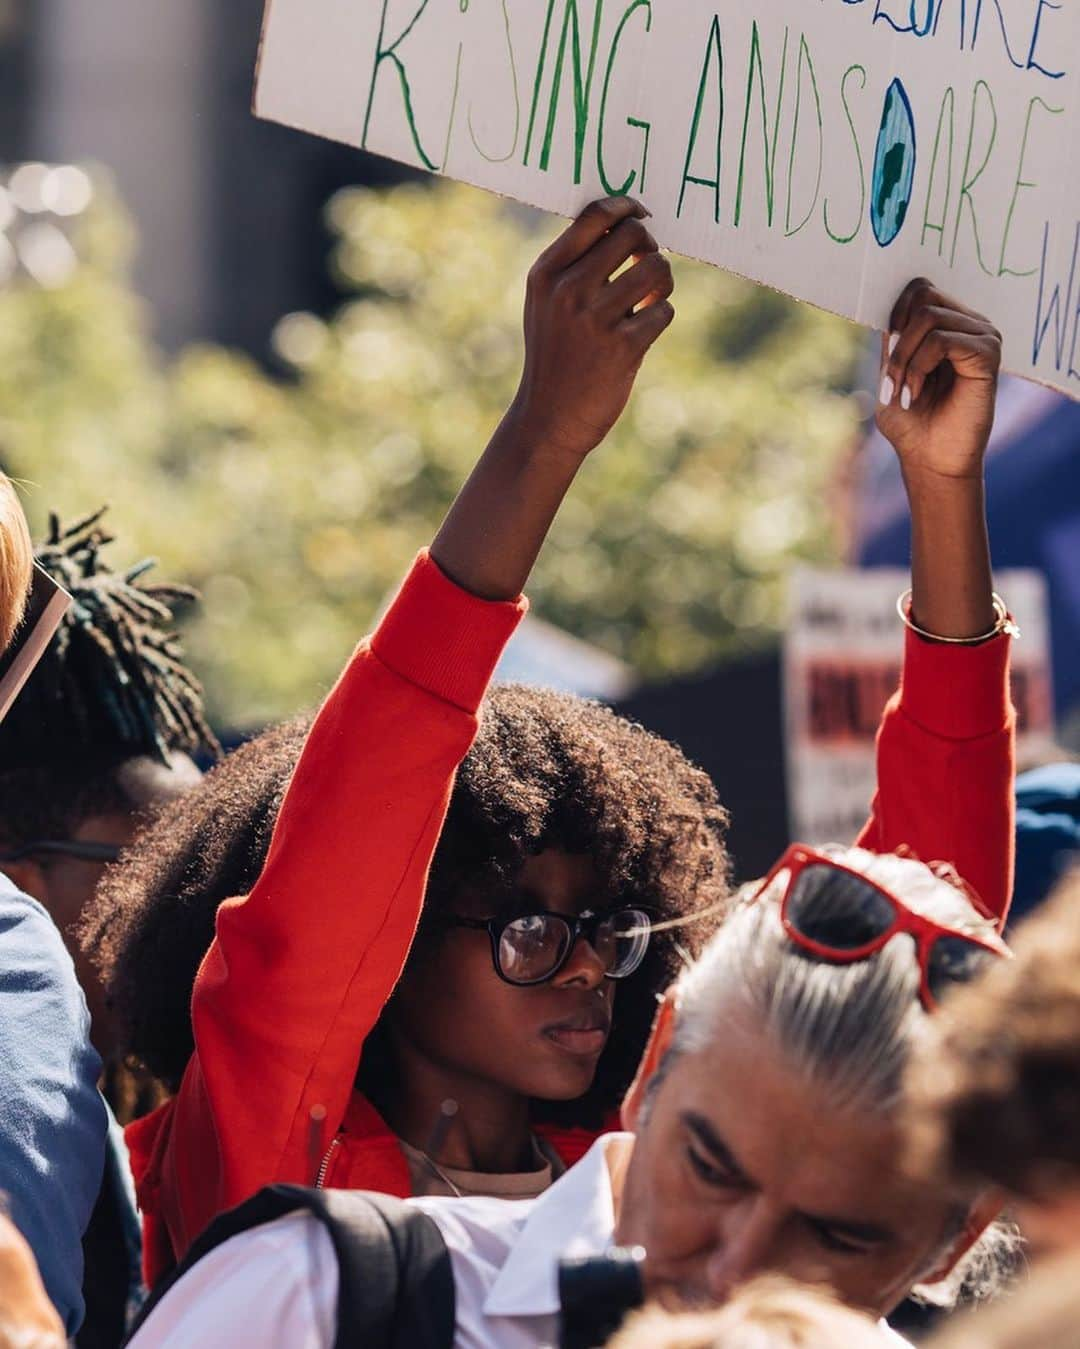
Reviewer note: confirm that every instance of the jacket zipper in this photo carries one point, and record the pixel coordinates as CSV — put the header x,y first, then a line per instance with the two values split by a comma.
x,y
324,1169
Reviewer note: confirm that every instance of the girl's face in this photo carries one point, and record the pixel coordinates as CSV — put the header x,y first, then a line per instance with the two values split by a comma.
x,y
544,1041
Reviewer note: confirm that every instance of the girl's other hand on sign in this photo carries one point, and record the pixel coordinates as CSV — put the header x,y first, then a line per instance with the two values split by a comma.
x,y
589,320
940,364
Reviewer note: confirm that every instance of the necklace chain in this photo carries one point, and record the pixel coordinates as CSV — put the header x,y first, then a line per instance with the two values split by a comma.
x,y
431,1163
437,1170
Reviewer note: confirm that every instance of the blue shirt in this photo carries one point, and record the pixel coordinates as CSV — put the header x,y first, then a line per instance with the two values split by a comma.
x,y
1047,832
52,1116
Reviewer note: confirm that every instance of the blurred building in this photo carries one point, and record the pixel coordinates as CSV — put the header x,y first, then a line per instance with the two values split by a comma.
x,y
729,721
229,209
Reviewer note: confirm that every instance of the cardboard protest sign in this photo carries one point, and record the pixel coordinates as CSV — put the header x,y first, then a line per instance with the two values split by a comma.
x,y
842,653
830,148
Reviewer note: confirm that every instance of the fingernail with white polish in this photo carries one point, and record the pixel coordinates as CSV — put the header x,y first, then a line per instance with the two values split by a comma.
x,y
894,342
905,398
888,388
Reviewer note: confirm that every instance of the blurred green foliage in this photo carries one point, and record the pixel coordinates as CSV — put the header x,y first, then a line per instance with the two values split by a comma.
x,y
295,505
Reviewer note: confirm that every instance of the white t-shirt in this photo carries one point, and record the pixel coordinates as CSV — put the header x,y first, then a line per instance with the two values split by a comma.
x,y
276,1286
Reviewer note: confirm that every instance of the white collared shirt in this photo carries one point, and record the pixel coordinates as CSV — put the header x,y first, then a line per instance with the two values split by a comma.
x,y
276,1286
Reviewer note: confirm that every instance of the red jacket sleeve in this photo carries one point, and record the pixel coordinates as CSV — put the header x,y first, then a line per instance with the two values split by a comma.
x,y
946,765
300,969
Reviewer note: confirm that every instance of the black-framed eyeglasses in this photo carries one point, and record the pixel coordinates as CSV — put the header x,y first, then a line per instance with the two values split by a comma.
x,y
534,947
57,847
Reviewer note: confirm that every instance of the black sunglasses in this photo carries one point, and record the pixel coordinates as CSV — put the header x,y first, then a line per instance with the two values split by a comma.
x,y
534,947
84,852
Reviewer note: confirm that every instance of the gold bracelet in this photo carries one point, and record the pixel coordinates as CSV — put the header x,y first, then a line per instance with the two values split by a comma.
x,y
1004,623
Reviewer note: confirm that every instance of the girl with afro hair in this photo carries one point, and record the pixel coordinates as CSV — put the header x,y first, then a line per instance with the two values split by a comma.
x,y
453,933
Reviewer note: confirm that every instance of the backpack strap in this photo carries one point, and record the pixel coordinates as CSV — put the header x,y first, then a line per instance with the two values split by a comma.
x,y
395,1281
416,1305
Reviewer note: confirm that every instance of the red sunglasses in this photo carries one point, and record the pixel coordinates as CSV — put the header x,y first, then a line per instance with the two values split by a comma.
x,y
840,915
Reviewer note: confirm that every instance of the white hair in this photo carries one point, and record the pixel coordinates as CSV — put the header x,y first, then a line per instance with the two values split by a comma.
x,y
850,1027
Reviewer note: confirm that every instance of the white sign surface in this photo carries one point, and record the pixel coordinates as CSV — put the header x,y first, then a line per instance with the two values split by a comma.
x,y
830,148
842,655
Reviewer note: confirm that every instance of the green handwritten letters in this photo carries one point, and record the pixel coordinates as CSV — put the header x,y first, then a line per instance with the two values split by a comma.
x,y
831,148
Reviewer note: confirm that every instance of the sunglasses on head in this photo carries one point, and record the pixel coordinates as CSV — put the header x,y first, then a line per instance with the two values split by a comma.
x,y
533,947
842,916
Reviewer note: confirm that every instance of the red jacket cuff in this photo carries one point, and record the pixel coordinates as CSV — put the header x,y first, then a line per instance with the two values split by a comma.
x,y
957,692
443,639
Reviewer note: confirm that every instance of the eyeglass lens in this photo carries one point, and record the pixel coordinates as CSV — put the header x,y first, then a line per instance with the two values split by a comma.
x,y
838,910
532,947
954,960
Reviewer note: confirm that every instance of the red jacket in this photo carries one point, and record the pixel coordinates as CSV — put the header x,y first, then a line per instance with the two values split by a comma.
x,y
301,968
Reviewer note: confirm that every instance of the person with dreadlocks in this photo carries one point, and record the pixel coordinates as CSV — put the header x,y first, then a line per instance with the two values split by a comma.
x,y
103,731
485,1058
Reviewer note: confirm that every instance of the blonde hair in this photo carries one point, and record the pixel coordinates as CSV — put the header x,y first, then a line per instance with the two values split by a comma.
x,y
16,561
770,1313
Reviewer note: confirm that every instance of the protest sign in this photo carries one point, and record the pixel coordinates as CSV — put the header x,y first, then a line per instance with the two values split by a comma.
x,y
842,653
830,148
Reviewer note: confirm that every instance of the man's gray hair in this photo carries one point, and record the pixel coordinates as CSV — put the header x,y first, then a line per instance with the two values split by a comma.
x,y
850,1027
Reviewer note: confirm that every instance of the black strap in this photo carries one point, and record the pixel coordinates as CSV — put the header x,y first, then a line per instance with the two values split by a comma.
x,y
597,1293
396,1284
416,1307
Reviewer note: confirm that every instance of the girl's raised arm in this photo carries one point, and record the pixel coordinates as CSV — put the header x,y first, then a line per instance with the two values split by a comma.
x,y
301,967
945,749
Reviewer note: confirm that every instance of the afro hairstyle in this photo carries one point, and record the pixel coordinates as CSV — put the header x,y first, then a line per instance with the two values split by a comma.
x,y
547,771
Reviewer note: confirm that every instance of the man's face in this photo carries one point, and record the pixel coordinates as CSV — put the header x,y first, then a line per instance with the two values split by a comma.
x,y
742,1166
65,885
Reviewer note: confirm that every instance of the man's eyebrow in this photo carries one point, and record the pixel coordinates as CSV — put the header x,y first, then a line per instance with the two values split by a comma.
x,y
705,1133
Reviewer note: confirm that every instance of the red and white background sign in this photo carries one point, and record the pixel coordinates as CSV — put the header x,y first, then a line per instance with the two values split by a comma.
x,y
842,656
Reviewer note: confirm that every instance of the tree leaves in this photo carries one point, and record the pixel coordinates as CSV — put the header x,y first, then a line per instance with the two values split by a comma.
x,y
296,505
